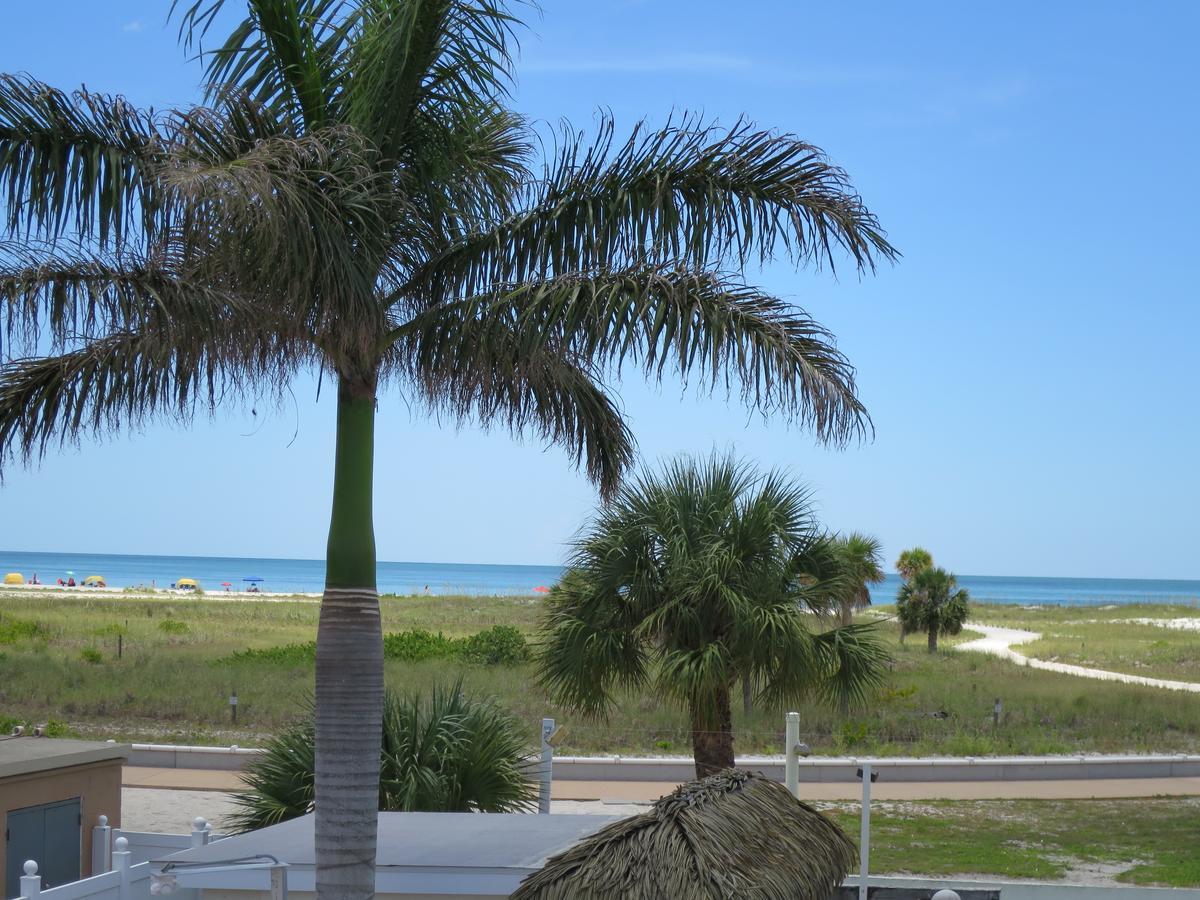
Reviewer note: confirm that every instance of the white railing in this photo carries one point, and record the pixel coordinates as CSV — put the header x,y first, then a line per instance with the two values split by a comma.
x,y
120,863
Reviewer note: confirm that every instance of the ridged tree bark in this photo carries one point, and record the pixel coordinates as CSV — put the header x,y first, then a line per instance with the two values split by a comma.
x,y
349,683
712,735
933,634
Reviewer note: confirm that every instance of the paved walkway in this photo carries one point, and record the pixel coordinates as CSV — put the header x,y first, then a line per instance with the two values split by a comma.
x,y
999,641
608,792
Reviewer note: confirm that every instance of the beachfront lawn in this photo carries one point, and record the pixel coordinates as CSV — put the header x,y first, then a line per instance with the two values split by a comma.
x,y
1145,842
1107,637
58,662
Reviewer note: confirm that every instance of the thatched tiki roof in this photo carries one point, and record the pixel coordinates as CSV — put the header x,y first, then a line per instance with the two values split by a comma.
x,y
734,834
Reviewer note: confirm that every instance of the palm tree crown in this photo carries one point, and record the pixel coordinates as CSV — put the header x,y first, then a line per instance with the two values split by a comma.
x,y
912,561
356,198
931,601
687,581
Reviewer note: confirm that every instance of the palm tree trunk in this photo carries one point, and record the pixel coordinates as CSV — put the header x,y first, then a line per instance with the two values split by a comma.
x,y
933,640
349,683
712,735
847,611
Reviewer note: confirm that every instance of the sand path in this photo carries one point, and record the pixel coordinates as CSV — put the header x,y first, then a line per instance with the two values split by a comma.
x,y
999,641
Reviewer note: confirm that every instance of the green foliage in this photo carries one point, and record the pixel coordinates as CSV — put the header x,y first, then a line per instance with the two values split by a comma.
x,y
498,645
501,645
444,752
930,602
912,561
687,582
173,626
418,645
91,655
14,630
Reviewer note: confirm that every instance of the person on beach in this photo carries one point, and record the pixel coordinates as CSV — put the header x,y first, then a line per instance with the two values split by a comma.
x,y
34,580
71,581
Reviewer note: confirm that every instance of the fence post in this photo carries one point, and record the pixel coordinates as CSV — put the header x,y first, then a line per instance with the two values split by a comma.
x,y
31,881
120,863
791,761
201,833
864,833
101,846
546,776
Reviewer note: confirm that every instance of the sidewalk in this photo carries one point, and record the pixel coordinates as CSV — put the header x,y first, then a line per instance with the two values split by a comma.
x,y
646,791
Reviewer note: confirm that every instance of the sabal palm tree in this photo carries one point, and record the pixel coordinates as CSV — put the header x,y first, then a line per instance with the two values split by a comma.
x,y
356,199
686,582
444,752
932,602
912,561
860,558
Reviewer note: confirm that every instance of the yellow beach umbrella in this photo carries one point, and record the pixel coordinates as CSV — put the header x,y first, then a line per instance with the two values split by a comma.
x,y
186,582
14,578
94,579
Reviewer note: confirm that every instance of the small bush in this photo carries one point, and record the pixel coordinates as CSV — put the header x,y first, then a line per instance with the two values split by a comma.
x,y
500,645
173,626
417,645
91,655
13,630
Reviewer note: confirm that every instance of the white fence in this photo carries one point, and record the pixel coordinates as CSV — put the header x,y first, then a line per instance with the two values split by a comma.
x,y
121,861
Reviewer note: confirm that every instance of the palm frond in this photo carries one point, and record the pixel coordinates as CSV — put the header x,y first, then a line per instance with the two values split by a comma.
x,y
75,163
688,320
290,55
493,379
855,663
442,58
700,194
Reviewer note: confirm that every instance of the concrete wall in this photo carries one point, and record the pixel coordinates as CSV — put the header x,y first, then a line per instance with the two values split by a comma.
x,y
98,784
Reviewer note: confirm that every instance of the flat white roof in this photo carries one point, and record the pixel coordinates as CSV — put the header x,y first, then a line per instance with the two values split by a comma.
x,y
27,755
484,854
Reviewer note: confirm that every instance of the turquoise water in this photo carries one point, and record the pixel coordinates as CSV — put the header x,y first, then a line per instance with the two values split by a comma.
x,y
308,575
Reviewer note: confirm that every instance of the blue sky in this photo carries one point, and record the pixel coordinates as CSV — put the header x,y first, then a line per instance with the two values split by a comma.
x,y
1029,364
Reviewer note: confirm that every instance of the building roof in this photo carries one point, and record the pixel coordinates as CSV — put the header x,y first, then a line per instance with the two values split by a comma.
x,y
485,854
29,755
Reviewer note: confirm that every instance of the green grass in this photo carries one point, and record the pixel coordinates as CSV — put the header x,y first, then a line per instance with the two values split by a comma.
x,y
1145,842
172,683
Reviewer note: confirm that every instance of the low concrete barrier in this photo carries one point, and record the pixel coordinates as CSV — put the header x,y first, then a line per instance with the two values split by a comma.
x,y
813,769
1009,890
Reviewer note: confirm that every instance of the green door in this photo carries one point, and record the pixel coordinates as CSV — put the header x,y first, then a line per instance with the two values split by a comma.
x,y
50,835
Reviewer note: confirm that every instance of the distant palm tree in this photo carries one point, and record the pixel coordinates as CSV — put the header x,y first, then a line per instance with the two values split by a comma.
x,y
931,602
861,560
357,200
442,753
686,581
913,561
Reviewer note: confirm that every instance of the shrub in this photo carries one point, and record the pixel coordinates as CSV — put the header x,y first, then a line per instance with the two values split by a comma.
x,y
444,752
417,645
173,626
500,645
91,655
13,630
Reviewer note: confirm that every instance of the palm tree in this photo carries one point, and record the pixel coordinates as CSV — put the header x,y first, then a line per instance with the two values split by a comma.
x,y
686,581
913,561
860,558
443,753
735,834
931,602
356,200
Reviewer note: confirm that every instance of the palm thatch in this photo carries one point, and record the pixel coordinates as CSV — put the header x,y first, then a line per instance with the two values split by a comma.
x,y
733,834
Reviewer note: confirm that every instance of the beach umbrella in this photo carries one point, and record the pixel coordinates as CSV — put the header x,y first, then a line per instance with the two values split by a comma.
x,y
541,589
14,578
94,579
186,582
254,578
226,584
734,834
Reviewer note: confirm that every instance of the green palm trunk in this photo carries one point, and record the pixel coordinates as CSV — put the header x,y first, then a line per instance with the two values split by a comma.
x,y
349,676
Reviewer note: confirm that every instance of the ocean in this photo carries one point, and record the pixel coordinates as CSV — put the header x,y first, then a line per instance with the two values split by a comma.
x,y
308,576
